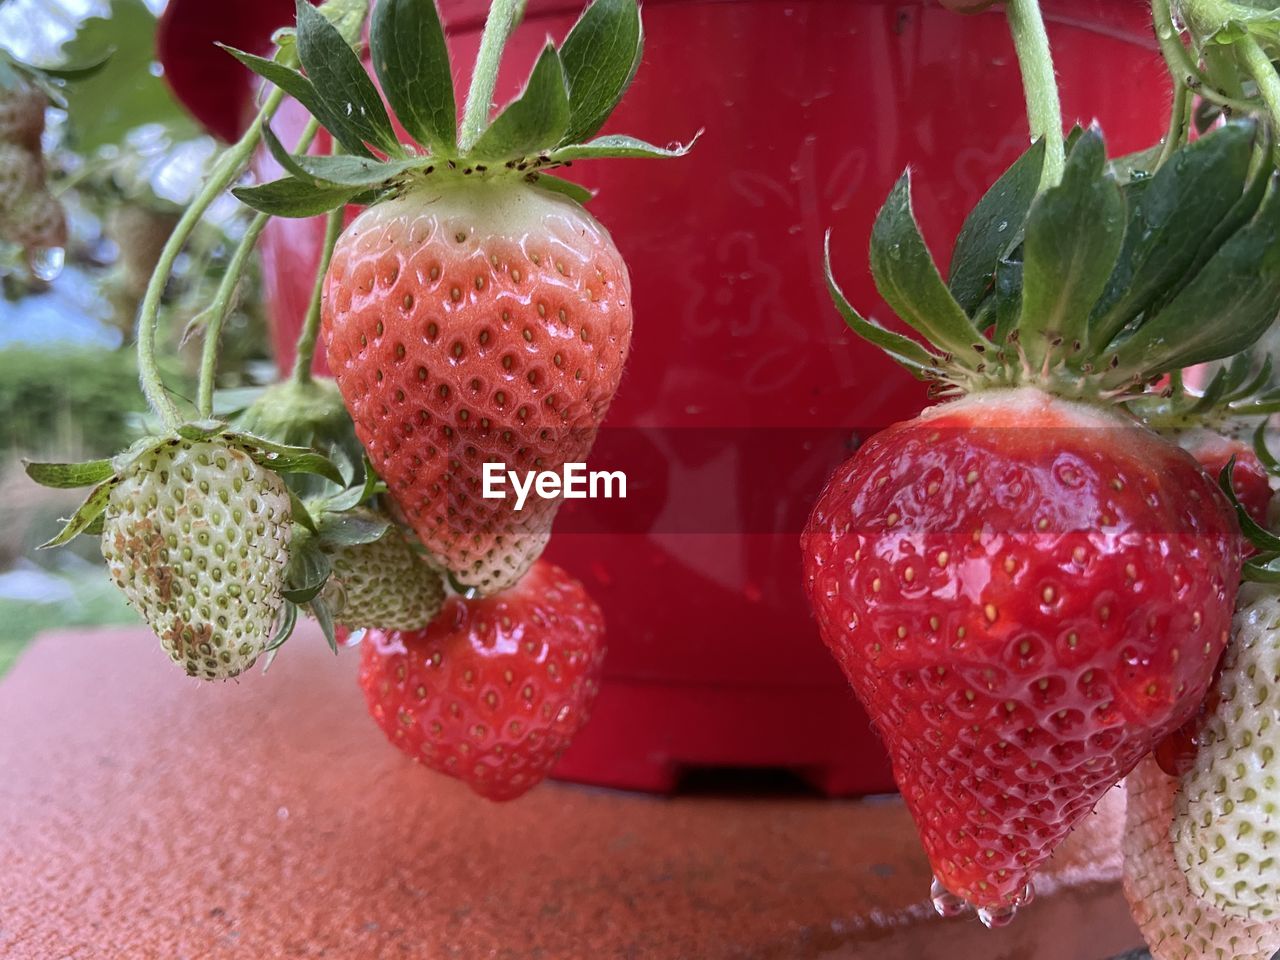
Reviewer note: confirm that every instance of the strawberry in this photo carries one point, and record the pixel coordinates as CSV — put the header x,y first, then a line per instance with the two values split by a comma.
x,y
196,536
22,107
1176,922
381,584
494,689
1226,832
1249,478
475,313
1026,587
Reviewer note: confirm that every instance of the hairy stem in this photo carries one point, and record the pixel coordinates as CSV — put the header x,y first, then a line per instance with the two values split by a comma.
x,y
503,17
1179,121
1044,113
305,353
225,171
1264,74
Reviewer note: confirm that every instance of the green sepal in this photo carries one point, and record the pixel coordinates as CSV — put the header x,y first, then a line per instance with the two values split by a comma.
x,y
88,511
284,630
1263,452
993,228
1135,167
337,171
1262,539
307,572
353,496
340,81
96,526
412,62
534,121
905,351
1073,236
600,55
908,279
320,609
283,458
303,90
288,197
566,188
1006,300
67,476
351,529
1260,380
1225,308
1261,569
1167,224
299,513
619,146
197,430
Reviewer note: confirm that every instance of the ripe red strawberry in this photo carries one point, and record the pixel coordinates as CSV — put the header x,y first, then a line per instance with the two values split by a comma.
x,y
1027,588
1176,923
493,690
1027,594
1249,478
484,322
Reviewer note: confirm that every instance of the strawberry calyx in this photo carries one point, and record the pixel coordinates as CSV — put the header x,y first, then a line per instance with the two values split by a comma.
x,y
1096,287
570,93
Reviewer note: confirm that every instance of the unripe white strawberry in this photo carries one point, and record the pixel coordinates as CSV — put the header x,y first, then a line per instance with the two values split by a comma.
x,y
382,584
196,536
20,176
1226,833
22,115
1176,922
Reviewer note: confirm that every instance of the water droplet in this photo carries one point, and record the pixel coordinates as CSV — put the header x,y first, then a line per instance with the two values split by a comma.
x,y
1002,226
46,262
946,903
1028,895
282,813
995,917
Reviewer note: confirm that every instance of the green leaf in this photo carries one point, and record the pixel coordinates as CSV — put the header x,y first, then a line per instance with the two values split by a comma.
x,y
1135,167
533,122
1168,221
905,351
307,572
320,609
909,281
360,172
87,512
283,458
1265,569
354,496
1261,538
69,475
1073,236
299,513
600,56
79,70
1264,454
1006,298
412,63
353,528
284,629
1229,304
340,81
566,188
993,228
301,89
619,146
294,198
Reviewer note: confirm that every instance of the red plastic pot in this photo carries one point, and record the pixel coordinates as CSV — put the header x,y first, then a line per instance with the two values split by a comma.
x,y
812,108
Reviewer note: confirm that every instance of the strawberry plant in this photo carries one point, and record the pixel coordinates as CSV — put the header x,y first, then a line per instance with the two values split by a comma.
x,y
1028,586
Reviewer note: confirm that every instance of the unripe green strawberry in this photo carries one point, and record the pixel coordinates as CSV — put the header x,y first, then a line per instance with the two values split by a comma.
x,y
382,584
1176,923
22,115
196,536
36,222
20,176
1227,830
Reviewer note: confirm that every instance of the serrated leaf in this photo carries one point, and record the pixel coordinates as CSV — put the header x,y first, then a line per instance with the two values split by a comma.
x,y
566,188
902,350
301,89
1168,221
85,514
288,197
340,81
67,476
600,57
1225,308
908,279
534,121
353,529
993,228
1073,236
412,63
619,146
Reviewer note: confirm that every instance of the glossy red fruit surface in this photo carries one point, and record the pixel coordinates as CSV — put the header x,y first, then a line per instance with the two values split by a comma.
x,y
1026,594
471,323
493,690
1249,478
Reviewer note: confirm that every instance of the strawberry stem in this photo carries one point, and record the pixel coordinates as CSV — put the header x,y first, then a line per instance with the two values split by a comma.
x,y
1044,113
305,352
504,15
1260,67
1179,118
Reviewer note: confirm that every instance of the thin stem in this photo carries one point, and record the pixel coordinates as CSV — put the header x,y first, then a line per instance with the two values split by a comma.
x,y
227,168
1264,74
1044,113
503,17
222,300
1179,117
306,349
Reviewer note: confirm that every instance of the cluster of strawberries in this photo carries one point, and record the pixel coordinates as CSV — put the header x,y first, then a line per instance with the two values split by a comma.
x,y
30,216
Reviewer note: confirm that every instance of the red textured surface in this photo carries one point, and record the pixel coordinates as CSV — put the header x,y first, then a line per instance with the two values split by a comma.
x,y
1027,595
811,111
150,817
